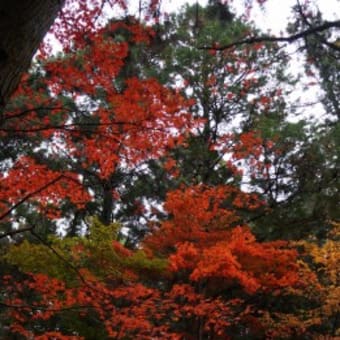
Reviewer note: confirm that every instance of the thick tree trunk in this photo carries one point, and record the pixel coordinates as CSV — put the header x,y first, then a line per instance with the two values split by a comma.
x,y
23,25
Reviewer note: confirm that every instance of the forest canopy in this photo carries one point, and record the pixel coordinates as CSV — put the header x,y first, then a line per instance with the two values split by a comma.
x,y
159,182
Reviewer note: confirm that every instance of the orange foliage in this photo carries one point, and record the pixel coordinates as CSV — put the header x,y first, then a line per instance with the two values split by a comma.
x,y
200,214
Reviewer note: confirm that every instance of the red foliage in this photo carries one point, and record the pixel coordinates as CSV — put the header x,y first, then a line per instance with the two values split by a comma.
x,y
211,260
82,18
201,215
29,181
195,298
136,123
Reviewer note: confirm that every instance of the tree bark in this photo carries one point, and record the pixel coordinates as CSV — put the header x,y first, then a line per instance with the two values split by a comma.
x,y
107,208
23,25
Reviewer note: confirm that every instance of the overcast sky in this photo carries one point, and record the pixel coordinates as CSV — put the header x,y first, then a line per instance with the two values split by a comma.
x,y
273,16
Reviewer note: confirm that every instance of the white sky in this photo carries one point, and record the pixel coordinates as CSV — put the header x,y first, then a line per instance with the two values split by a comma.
x,y
273,16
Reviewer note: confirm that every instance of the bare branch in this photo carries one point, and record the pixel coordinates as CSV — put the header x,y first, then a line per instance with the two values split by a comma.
x,y
268,38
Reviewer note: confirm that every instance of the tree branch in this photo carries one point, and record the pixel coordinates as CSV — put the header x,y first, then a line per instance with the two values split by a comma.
x,y
45,308
14,232
268,38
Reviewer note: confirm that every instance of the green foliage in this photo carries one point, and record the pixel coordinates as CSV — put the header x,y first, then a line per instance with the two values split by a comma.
x,y
99,251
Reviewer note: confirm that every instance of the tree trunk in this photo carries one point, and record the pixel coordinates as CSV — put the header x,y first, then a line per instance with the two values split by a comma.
x,y
108,203
23,25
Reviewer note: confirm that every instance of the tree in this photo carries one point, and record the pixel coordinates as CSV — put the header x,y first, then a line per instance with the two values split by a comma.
x,y
22,29
212,279
292,191
199,274
224,92
321,55
310,202
89,115
132,123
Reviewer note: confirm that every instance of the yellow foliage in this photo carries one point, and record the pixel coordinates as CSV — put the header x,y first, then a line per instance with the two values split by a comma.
x,y
97,254
326,260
